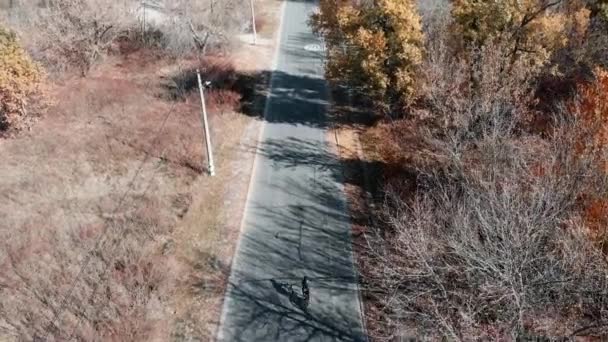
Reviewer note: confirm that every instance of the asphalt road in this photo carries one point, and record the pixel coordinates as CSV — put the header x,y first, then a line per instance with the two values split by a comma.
x,y
295,223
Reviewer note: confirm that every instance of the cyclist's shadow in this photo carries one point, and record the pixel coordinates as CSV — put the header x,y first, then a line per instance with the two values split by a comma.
x,y
299,299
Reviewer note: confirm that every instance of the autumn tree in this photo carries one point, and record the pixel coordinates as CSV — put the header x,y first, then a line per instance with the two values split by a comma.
x,y
373,47
19,79
534,29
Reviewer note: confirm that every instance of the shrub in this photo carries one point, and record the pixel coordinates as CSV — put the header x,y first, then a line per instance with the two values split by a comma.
x,y
220,71
19,80
222,100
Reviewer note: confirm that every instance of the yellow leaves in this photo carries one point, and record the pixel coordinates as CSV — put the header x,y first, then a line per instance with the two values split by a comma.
x,y
404,19
369,41
534,28
480,20
348,17
375,47
600,8
579,22
372,47
19,78
333,19
548,32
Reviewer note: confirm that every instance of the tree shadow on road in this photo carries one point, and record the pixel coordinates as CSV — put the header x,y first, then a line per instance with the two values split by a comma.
x,y
297,223
287,320
309,235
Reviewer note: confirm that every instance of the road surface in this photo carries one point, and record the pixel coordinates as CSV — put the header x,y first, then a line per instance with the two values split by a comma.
x,y
295,223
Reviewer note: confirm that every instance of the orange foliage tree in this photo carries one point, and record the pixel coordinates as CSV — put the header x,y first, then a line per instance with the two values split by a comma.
x,y
19,79
373,47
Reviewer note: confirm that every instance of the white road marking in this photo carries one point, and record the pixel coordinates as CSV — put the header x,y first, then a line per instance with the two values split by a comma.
x,y
314,47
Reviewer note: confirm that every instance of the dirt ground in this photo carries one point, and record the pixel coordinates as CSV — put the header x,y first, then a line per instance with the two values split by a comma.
x,y
114,147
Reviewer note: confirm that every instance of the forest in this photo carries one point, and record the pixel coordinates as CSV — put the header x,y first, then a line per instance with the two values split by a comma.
x,y
488,123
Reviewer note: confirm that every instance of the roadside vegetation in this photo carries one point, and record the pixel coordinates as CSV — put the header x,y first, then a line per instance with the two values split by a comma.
x,y
489,133
109,228
20,79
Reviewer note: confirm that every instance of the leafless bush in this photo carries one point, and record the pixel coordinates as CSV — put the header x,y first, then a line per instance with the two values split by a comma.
x,y
473,96
433,10
220,71
492,258
71,33
491,245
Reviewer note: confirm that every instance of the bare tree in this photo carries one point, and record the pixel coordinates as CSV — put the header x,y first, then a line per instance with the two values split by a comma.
x,y
493,243
72,32
199,25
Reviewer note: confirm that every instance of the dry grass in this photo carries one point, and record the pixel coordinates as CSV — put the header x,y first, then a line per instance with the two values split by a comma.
x,y
109,232
109,159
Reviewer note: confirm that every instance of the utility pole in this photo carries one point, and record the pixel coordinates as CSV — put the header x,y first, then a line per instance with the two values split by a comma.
x,y
143,21
206,123
255,33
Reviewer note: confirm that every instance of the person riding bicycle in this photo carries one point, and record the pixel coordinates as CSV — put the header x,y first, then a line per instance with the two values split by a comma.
x,y
305,291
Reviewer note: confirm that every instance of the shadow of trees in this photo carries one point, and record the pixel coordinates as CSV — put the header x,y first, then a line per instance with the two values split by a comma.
x,y
297,224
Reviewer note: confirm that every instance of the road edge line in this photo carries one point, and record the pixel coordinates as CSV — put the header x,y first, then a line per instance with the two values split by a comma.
x,y
273,70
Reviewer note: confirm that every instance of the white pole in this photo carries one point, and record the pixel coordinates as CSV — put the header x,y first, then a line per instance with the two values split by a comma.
x,y
255,33
143,22
206,125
